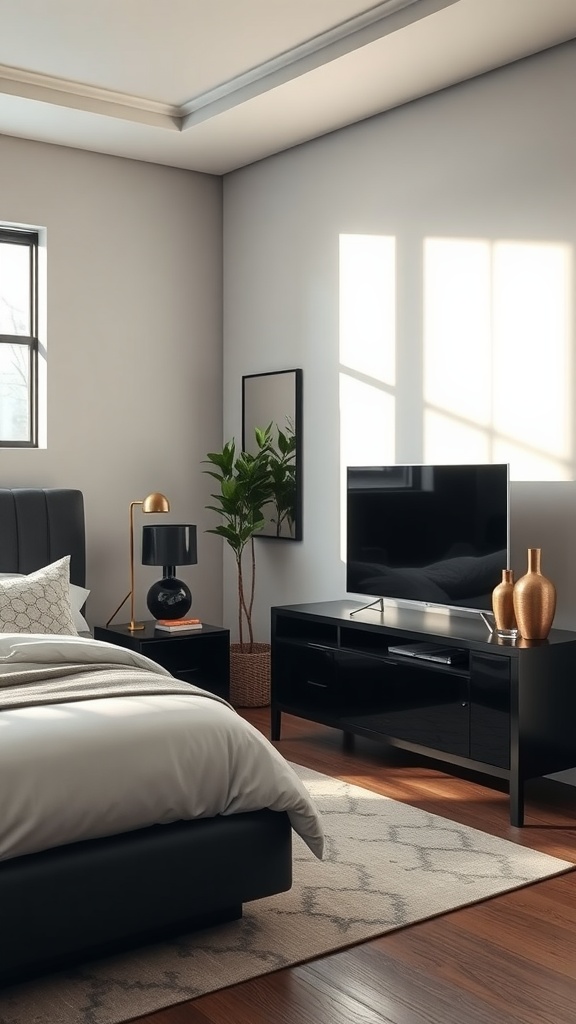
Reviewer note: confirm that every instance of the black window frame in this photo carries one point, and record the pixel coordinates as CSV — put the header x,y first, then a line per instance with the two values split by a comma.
x,y
26,237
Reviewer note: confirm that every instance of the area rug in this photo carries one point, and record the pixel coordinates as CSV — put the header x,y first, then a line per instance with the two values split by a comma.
x,y
386,865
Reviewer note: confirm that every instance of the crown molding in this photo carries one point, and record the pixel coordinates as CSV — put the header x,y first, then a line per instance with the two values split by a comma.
x,y
382,19
63,93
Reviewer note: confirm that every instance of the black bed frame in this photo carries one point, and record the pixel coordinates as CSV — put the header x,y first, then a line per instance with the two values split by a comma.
x,y
93,898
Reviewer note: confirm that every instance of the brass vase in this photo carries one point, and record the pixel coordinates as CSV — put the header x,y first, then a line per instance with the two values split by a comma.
x,y
503,605
534,600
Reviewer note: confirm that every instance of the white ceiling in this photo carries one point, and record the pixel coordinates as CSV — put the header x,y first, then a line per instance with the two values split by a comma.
x,y
213,85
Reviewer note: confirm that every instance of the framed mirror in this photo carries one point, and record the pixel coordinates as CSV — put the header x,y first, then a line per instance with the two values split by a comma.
x,y
274,401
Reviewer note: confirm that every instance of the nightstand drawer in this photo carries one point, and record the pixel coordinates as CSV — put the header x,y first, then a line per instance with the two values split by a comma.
x,y
197,661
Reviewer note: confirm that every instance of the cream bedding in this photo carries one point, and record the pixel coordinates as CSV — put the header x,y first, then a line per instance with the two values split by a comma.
x,y
80,768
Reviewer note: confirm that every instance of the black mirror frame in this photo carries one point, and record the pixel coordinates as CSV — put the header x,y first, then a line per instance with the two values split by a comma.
x,y
248,432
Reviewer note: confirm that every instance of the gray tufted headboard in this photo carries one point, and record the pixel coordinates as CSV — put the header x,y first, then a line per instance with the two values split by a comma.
x,y
39,525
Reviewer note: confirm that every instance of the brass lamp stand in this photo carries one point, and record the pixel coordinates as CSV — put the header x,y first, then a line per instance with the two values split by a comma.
x,y
155,502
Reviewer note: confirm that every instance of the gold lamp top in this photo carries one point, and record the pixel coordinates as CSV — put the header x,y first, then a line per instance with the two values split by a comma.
x,y
156,502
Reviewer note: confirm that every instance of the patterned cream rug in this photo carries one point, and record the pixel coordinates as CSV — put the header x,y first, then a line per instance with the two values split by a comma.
x,y
387,865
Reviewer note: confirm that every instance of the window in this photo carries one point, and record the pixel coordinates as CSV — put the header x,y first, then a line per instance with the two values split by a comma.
x,y
18,338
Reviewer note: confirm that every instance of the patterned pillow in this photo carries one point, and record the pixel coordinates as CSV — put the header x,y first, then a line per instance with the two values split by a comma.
x,y
39,602
78,598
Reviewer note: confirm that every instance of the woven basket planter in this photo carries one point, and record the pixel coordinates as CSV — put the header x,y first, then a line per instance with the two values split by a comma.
x,y
249,675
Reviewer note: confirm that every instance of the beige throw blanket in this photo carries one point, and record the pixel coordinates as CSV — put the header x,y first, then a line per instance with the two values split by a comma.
x,y
53,684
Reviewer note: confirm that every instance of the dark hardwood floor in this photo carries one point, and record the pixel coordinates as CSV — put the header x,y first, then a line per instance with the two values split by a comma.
x,y
509,960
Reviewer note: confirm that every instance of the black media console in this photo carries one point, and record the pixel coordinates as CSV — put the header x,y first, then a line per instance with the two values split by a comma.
x,y
505,710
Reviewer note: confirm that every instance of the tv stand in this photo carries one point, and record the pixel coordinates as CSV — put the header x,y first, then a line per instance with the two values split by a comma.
x,y
504,709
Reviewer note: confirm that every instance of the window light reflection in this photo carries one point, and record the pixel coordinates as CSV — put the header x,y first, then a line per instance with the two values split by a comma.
x,y
497,355
368,305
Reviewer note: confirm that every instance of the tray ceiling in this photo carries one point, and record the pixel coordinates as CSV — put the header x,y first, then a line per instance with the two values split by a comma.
x,y
213,85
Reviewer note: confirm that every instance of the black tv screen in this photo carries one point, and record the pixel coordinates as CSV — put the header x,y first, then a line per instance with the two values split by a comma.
x,y
436,535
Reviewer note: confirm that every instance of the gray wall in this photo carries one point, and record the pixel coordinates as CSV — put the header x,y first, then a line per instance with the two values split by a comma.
x,y
134,350
492,159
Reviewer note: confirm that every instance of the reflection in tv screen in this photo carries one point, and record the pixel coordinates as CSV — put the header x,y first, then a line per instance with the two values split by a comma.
x,y
432,534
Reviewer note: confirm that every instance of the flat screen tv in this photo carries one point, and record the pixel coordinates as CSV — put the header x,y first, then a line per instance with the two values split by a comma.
x,y
433,535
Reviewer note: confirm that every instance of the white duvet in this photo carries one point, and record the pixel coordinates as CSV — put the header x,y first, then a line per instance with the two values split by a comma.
x,y
81,769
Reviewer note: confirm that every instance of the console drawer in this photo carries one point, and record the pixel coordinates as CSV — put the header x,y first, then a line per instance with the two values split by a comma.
x,y
305,673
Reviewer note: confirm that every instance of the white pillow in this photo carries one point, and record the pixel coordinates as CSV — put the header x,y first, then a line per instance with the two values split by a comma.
x,y
39,602
78,598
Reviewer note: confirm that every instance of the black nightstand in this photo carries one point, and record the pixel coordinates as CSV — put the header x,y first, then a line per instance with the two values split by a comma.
x,y
201,657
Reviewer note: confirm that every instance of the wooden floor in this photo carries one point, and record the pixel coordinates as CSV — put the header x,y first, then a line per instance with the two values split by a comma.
x,y
509,960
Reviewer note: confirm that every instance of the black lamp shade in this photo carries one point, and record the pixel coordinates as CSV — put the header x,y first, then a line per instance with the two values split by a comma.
x,y
170,545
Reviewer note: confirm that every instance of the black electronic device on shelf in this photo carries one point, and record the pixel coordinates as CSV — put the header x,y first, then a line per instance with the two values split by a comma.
x,y
429,652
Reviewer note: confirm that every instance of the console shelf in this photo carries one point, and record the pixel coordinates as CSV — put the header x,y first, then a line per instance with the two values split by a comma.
x,y
505,710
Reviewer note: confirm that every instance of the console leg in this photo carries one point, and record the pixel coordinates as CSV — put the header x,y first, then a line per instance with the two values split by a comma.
x,y
275,720
516,801
348,742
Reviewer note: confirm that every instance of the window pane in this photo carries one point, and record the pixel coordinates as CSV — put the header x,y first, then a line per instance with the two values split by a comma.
x,y
14,392
15,289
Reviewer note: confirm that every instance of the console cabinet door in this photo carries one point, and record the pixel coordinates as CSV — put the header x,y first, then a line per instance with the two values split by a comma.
x,y
420,705
490,709
304,676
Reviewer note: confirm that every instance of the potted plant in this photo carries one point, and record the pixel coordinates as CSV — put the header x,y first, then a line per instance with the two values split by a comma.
x,y
244,489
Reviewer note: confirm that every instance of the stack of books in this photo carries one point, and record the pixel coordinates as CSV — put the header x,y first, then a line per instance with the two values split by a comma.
x,y
178,625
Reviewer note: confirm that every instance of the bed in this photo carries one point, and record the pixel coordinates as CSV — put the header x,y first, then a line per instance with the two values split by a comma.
x,y
86,871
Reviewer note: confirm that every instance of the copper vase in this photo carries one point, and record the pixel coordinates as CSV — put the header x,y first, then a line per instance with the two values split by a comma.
x,y
503,605
534,600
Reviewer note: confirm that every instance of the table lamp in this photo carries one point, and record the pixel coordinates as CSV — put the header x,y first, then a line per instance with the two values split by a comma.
x,y
155,502
169,546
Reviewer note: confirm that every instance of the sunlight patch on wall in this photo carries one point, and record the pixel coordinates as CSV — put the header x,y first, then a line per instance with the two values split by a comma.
x,y
367,433
457,349
490,377
497,355
366,424
368,306
527,464
367,331
532,339
457,440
